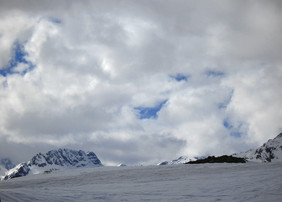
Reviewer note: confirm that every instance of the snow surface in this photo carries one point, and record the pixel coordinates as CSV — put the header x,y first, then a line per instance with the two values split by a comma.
x,y
202,182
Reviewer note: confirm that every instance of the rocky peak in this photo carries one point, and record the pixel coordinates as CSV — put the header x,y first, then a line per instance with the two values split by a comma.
x,y
66,157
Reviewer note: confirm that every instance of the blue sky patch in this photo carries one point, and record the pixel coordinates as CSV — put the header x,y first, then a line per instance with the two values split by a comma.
x,y
236,134
150,112
233,131
214,73
224,104
227,125
55,20
179,77
18,56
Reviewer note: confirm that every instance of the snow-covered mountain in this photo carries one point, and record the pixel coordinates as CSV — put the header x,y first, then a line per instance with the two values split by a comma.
x,y
54,160
271,151
180,160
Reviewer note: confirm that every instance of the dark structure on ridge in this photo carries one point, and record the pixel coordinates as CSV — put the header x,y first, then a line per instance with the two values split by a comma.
x,y
220,159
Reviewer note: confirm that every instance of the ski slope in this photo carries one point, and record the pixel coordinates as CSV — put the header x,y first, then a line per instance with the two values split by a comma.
x,y
205,182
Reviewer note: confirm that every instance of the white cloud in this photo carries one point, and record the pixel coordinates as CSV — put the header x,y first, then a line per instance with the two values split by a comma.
x,y
13,26
96,62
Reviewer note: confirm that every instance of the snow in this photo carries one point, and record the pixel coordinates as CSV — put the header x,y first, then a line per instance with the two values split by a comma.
x,y
180,160
122,165
202,182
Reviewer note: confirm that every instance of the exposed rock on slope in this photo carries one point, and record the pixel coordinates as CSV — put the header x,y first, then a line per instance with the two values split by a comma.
x,y
20,170
220,159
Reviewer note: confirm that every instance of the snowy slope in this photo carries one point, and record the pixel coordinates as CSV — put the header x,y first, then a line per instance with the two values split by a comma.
x,y
205,182
122,165
271,151
180,160
54,160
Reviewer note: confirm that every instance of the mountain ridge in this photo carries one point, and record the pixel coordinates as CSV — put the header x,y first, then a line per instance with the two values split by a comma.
x,y
270,151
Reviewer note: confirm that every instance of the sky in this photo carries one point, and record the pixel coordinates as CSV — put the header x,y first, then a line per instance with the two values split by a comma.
x,y
139,82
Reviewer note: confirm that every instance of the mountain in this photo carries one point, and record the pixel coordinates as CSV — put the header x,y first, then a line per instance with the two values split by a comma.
x,y
271,151
20,170
54,160
65,157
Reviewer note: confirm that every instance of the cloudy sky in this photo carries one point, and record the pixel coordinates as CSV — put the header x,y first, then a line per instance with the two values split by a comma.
x,y
139,81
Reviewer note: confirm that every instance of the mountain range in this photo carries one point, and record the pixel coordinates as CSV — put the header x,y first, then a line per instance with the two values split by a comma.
x,y
271,151
54,160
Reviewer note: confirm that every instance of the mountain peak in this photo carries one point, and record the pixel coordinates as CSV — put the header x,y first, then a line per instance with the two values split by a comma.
x,y
66,157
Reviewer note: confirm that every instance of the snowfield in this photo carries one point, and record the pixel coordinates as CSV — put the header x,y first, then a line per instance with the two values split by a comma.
x,y
202,182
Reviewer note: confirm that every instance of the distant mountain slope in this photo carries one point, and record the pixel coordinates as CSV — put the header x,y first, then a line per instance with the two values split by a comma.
x,y
53,160
180,160
271,151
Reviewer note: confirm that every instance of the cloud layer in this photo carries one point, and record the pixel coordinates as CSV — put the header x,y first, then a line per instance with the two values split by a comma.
x,y
139,82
